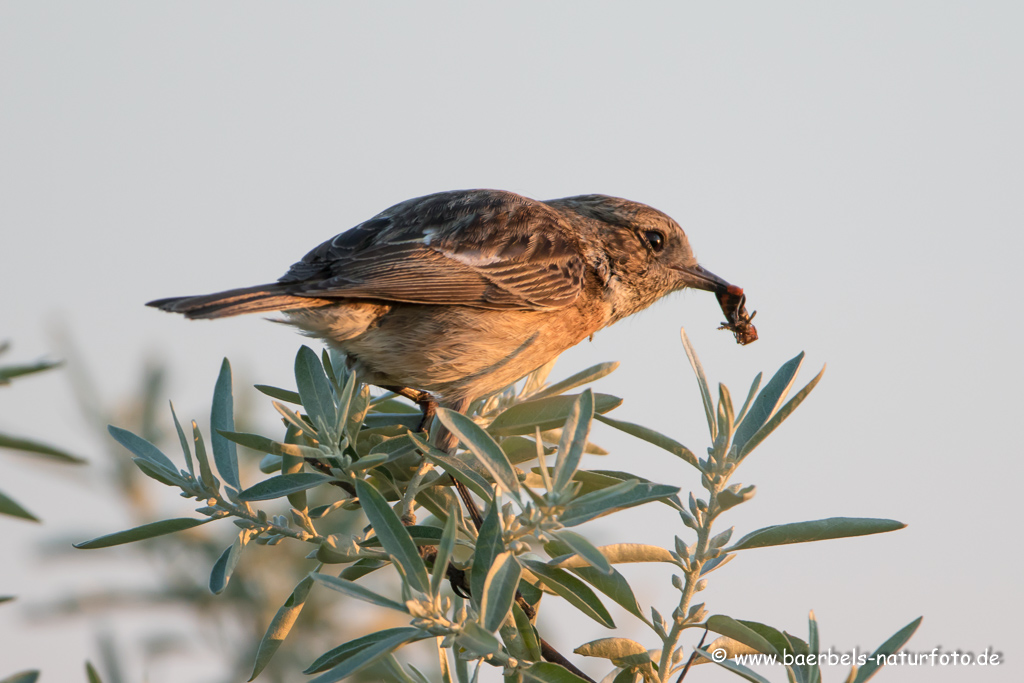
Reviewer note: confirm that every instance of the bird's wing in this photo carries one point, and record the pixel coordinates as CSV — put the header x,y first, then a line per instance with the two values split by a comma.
x,y
480,248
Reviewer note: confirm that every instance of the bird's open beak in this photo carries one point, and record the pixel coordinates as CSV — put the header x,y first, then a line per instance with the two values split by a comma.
x,y
701,278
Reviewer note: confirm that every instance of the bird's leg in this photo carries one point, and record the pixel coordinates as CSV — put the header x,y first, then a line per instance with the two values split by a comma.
x,y
424,399
444,440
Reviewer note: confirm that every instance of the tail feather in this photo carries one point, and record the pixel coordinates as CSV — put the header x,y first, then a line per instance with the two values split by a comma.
x,y
256,299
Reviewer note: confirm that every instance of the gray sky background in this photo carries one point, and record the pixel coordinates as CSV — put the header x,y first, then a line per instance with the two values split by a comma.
x,y
857,167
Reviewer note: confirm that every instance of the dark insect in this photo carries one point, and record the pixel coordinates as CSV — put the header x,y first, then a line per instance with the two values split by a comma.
x,y
733,302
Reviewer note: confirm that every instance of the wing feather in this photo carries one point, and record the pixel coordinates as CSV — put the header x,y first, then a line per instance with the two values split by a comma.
x,y
480,248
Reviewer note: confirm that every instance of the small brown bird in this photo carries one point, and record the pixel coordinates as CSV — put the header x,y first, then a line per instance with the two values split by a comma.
x,y
461,293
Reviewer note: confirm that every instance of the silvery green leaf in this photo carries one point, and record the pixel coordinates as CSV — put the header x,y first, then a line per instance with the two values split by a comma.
x,y
484,447
546,413
527,632
225,565
891,646
767,401
361,568
9,506
407,420
29,446
9,372
702,383
574,439
225,455
22,677
141,533
591,374
315,389
727,626
205,471
585,549
158,473
91,675
738,669
779,416
489,544
337,655
355,590
476,640
183,441
613,585
393,536
456,468
499,590
285,395
547,672
650,436
621,651
813,644
629,493
750,397
817,530
445,550
281,624
142,448
577,593
282,485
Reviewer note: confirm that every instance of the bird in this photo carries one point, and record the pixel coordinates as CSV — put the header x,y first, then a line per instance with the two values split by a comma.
x,y
452,296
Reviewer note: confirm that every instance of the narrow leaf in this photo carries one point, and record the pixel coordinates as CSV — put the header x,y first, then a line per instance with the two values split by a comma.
x,y
355,590
889,647
577,593
445,549
738,669
184,442
281,624
222,417
817,530
285,395
546,413
9,506
393,536
336,655
282,485
368,655
650,436
585,549
29,446
591,374
628,494
489,544
727,626
141,533
780,416
499,591
225,565
315,388
142,448
485,448
768,401
702,382
205,471
574,439
547,672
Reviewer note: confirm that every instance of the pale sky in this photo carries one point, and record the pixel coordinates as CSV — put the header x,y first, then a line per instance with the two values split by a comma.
x,y
856,167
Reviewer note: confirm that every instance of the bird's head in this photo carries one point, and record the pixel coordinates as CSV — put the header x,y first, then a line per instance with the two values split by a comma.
x,y
648,254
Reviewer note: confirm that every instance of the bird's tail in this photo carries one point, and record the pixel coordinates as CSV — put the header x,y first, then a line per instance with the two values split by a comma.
x,y
256,299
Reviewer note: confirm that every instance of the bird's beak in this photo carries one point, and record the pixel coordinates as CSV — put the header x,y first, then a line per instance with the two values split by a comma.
x,y
701,278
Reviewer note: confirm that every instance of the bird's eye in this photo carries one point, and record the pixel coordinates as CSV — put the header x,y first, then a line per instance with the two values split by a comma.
x,y
655,239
